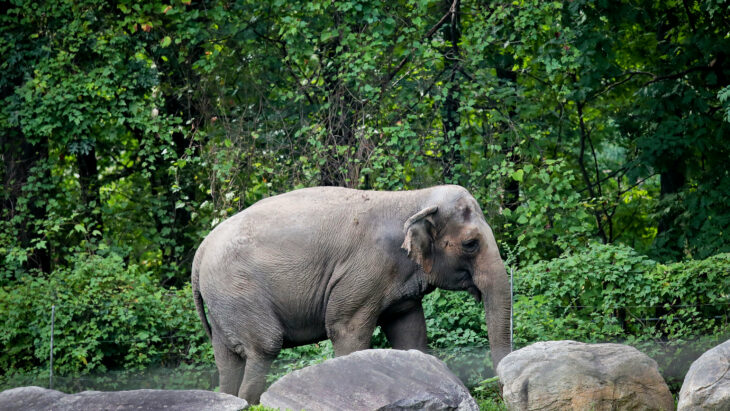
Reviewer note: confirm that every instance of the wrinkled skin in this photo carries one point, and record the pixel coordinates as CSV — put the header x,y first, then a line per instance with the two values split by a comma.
x,y
335,263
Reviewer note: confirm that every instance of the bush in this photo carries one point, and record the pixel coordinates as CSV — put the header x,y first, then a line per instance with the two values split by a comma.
x,y
111,315
457,334
612,293
454,319
108,315
291,359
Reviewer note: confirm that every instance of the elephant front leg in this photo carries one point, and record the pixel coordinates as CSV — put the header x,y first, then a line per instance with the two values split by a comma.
x,y
406,328
351,334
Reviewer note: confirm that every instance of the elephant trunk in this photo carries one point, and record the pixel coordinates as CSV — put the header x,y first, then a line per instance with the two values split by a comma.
x,y
493,284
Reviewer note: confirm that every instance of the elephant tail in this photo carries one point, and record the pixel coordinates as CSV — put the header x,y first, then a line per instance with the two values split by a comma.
x,y
197,297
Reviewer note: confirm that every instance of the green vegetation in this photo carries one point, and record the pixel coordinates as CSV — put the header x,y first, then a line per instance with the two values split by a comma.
x,y
107,316
261,408
671,312
612,292
593,133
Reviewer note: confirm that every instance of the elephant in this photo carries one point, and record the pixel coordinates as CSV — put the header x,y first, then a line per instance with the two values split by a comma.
x,y
333,262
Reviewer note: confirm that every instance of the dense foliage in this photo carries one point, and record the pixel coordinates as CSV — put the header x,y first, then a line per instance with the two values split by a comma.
x,y
611,292
108,315
128,130
672,312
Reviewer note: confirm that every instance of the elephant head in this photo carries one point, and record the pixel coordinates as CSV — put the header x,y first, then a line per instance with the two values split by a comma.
x,y
452,242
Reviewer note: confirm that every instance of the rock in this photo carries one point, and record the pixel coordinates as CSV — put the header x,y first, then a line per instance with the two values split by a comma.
x,y
707,383
37,398
372,380
560,375
29,398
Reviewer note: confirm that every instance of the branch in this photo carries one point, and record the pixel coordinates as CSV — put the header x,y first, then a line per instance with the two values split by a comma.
x,y
612,174
465,73
690,16
392,74
636,184
126,171
581,156
618,197
282,47
630,74
428,35
428,89
584,171
595,165
560,130
657,79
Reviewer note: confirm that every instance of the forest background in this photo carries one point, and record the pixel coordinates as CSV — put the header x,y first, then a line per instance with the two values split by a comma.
x,y
593,133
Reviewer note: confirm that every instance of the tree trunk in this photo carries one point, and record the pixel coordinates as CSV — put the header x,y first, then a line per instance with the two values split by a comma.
x,y
343,145
511,186
672,180
20,158
450,117
173,223
90,185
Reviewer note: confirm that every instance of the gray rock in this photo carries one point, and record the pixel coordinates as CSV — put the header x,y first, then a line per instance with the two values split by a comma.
x,y
707,383
372,380
29,398
37,398
560,375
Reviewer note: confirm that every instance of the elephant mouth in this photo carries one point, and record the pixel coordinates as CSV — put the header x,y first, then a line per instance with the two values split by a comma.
x,y
464,276
474,291
466,282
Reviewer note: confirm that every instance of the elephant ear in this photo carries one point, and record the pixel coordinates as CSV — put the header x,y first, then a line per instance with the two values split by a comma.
x,y
419,237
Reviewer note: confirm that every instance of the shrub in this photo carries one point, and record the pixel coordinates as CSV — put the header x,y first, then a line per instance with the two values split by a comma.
x,y
457,334
612,293
454,319
109,315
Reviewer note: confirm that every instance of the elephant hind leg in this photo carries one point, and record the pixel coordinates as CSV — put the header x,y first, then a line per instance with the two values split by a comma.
x,y
254,379
230,366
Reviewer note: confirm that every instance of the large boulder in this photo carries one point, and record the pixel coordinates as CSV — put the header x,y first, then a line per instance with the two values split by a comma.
x,y
564,375
707,383
372,380
37,398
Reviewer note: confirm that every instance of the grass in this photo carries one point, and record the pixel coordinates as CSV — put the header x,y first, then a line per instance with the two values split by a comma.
x,y
488,396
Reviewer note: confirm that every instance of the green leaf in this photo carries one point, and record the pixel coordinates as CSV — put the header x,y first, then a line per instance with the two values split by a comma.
x,y
328,34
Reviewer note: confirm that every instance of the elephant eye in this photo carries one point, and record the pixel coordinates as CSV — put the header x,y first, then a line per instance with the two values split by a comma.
x,y
470,246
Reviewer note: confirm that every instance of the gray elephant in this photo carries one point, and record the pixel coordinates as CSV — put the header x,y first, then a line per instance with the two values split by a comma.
x,y
329,262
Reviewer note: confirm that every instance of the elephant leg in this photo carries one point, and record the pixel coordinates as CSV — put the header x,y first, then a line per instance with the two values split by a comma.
x,y
348,343
351,334
254,379
230,366
406,330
